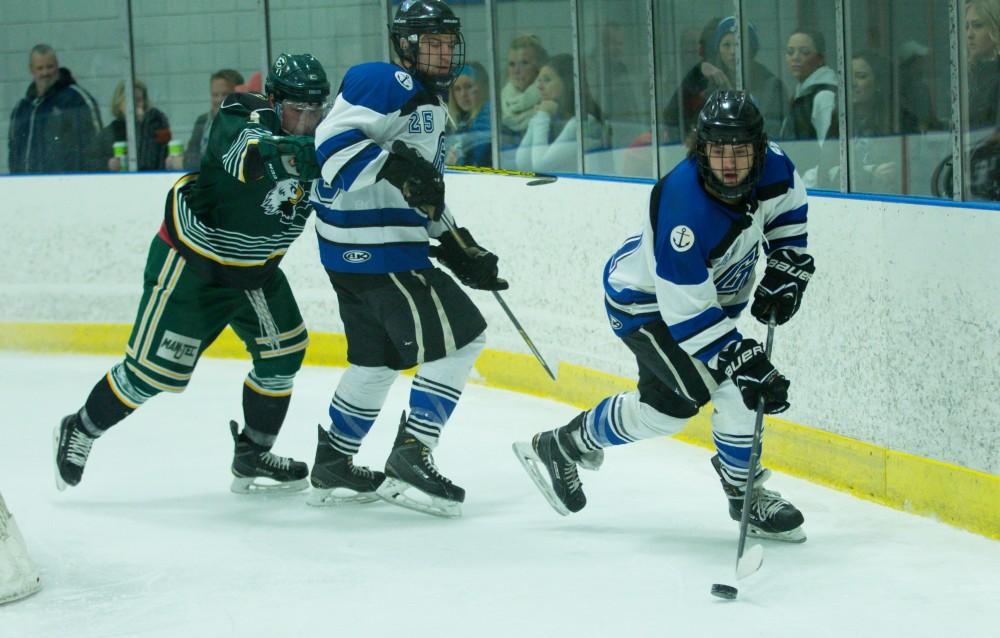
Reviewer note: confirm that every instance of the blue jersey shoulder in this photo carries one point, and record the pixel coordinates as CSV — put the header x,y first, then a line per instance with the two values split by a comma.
x,y
379,86
778,173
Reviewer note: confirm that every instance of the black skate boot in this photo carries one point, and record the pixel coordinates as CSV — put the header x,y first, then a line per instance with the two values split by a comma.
x,y
72,447
411,465
559,454
258,470
771,516
336,479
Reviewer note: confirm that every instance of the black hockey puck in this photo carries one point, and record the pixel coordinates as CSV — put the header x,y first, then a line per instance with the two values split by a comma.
x,y
727,592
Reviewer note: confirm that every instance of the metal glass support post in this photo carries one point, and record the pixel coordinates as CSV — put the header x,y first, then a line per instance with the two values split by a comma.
x,y
842,7
741,29
264,17
574,16
495,83
654,120
959,107
387,14
129,45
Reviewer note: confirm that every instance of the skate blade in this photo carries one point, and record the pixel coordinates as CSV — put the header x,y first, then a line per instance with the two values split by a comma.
x,y
395,491
796,535
319,497
532,464
60,483
250,485
750,562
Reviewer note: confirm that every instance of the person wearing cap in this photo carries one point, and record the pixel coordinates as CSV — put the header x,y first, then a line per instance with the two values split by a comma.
x,y
215,263
220,84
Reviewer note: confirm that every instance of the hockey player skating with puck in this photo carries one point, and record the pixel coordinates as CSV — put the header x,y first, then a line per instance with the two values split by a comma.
x,y
672,293
379,201
214,263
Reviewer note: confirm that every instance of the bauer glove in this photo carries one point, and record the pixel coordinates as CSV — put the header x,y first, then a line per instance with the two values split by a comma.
x,y
420,183
781,289
289,156
474,266
748,366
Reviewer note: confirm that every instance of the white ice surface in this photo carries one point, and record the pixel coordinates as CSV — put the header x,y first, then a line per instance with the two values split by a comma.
x,y
152,543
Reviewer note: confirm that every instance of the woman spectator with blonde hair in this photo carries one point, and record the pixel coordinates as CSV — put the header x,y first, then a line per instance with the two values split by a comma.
x,y
152,131
982,34
468,134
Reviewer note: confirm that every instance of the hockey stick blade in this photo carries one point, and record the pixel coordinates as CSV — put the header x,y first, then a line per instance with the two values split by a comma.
x,y
538,179
750,562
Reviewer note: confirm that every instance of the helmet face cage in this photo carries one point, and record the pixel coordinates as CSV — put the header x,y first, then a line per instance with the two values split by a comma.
x,y
416,18
730,119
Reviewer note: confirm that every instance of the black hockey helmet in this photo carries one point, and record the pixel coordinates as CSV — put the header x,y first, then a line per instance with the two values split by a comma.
x,y
298,78
419,17
730,117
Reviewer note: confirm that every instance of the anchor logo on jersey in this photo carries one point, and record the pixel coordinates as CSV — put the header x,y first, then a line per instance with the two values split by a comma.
x,y
682,238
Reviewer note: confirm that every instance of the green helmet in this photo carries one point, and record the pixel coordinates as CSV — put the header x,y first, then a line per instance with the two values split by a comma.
x,y
299,78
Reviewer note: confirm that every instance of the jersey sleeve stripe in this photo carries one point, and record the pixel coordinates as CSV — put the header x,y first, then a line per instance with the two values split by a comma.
x,y
691,328
709,351
352,168
337,143
792,217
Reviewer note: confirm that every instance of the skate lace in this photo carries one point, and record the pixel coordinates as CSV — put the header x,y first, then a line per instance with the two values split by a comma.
x,y
78,448
428,463
767,503
275,461
571,476
359,470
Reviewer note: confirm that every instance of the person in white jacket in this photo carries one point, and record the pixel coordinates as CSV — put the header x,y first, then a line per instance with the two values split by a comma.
x,y
549,143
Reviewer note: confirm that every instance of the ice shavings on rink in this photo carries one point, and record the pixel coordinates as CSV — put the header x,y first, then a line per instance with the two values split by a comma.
x,y
152,543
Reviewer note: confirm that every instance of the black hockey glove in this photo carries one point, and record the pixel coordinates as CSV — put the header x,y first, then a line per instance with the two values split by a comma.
x,y
289,156
781,289
746,364
420,183
474,266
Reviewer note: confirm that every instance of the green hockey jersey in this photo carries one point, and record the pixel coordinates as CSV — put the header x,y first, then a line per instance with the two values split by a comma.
x,y
231,220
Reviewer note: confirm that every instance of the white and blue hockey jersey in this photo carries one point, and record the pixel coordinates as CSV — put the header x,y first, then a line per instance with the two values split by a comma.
x,y
693,264
363,224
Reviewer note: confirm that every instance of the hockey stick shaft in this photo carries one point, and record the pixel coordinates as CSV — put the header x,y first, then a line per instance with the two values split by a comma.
x,y
758,430
539,178
503,304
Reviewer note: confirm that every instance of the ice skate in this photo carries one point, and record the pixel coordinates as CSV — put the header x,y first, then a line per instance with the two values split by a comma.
x,y
337,480
556,451
413,481
771,516
256,470
72,447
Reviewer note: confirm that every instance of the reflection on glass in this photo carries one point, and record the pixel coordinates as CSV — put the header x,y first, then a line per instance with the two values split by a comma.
x,y
468,135
616,74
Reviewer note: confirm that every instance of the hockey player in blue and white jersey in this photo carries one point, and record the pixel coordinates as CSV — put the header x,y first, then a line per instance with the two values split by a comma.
x,y
672,294
379,202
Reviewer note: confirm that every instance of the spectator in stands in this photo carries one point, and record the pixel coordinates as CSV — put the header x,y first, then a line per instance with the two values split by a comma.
x,y
222,83
519,95
874,150
812,112
52,129
982,33
468,135
152,131
701,80
549,142
766,89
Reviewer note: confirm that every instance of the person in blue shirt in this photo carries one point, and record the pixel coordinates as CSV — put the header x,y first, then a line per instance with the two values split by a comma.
x,y
379,202
673,293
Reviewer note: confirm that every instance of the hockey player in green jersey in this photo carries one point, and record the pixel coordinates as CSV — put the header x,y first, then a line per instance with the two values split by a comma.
x,y
214,263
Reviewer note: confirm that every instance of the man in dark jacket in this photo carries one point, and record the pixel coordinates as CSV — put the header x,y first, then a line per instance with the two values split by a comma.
x,y
52,128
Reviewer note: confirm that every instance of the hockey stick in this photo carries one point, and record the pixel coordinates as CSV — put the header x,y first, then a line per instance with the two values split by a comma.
x,y
503,304
750,562
537,179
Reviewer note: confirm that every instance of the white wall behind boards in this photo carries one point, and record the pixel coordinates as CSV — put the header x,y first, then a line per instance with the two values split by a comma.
x,y
896,343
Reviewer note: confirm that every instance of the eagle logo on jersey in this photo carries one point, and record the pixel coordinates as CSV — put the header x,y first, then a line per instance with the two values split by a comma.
x,y
404,80
681,238
286,199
